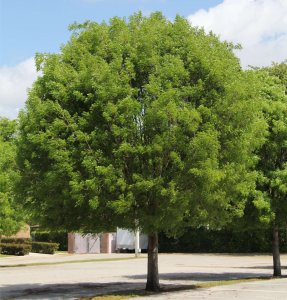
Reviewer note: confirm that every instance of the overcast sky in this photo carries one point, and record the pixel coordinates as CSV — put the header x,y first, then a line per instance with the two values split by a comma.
x,y
30,26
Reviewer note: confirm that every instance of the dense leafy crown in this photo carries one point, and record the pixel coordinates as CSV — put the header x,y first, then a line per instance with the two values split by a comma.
x,y
10,216
273,155
144,122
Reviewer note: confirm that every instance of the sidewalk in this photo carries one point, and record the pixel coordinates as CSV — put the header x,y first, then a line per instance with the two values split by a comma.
x,y
36,258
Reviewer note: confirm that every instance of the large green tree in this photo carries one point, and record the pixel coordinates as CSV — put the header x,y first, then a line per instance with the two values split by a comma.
x,y
144,123
272,205
10,217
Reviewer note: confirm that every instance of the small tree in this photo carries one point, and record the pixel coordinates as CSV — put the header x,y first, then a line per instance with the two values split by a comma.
x,y
144,123
10,216
273,156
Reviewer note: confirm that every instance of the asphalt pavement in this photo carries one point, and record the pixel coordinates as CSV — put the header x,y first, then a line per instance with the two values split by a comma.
x,y
97,274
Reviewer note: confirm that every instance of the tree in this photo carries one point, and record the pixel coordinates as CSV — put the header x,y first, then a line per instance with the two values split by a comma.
x,y
273,155
144,123
10,217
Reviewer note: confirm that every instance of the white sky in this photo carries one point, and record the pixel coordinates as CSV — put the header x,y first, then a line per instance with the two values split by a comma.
x,y
14,83
260,26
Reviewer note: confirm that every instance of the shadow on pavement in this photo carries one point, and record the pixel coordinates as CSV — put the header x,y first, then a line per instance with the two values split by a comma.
x,y
179,281
204,277
267,267
65,291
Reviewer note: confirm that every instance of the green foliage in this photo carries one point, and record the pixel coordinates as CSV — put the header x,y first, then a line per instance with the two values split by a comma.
x,y
10,214
45,248
272,165
141,123
7,129
15,240
15,249
60,237
203,240
279,70
22,246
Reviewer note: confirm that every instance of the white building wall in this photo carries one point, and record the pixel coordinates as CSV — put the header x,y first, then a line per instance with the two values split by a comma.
x,y
126,240
86,243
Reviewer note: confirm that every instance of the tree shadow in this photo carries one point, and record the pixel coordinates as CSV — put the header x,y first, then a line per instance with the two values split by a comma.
x,y
170,282
267,267
204,277
64,291
220,254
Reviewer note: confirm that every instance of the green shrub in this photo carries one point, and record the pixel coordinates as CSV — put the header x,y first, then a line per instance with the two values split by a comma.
x,y
60,237
222,241
45,248
15,249
15,240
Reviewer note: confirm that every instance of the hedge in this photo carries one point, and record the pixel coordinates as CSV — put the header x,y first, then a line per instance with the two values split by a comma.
x,y
15,246
15,240
44,248
15,249
202,240
60,237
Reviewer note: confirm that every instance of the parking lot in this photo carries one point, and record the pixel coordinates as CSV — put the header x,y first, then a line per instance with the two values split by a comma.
x,y
37,277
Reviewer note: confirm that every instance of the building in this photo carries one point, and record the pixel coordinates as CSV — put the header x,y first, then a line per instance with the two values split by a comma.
x,y
91,243
111,242
24,233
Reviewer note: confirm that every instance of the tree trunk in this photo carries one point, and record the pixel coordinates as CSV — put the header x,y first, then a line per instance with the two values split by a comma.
x,y
276,252
152,264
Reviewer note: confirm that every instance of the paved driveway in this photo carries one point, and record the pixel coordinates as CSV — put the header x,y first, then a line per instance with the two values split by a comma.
x,y
275,289
73,280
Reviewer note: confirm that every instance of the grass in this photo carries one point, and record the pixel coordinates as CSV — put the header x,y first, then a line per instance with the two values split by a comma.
x,y
116,297
68,262
124,295
210,284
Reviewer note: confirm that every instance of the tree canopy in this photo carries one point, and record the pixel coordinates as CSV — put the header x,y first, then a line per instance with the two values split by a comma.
x,y
273,155
10,216
140,123
266,207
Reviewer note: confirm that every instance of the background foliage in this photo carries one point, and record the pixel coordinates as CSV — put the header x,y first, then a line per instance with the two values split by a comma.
x,y
11,213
